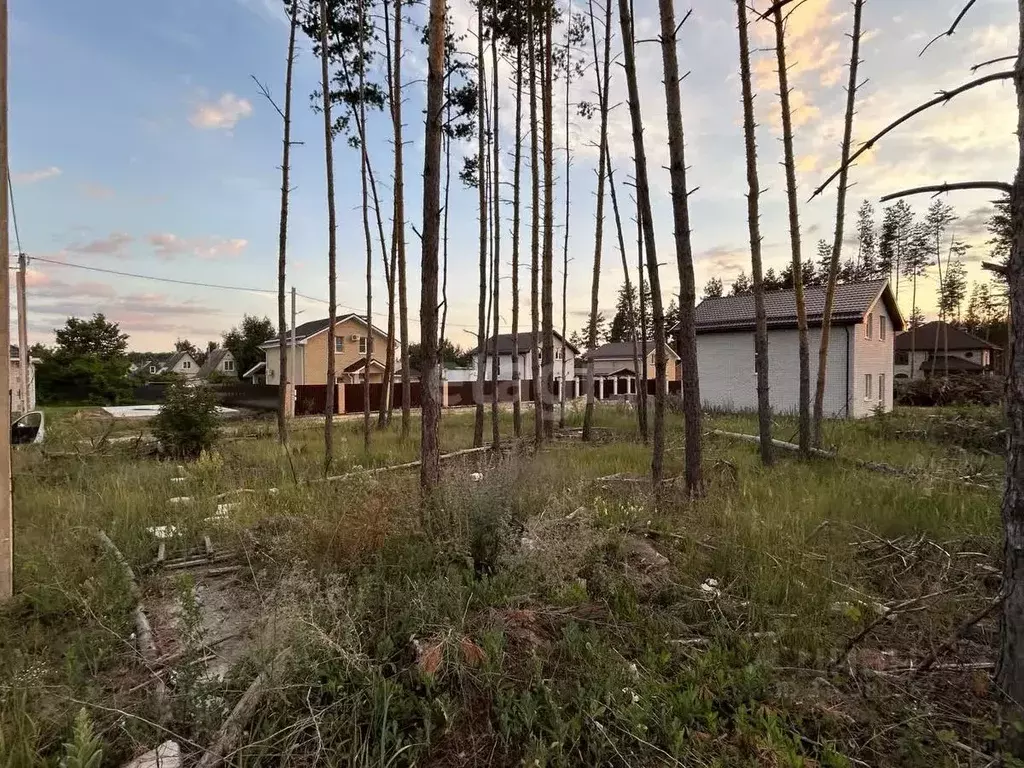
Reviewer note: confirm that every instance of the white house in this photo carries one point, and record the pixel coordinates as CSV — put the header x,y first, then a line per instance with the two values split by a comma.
x,y
181,363
614,368
218,362
505,351
860,360
937,348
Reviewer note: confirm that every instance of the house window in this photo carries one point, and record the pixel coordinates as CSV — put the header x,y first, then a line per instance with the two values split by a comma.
x,y
881,388
869,328
229,365
902,358
185,365
558,354
339,344
362,345
152,369
867,386
968,354
882,324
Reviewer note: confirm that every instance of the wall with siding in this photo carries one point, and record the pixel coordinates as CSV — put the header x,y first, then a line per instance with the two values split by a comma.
x,y
872,356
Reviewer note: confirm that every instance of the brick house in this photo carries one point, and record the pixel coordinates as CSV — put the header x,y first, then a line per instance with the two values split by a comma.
x,y
310,354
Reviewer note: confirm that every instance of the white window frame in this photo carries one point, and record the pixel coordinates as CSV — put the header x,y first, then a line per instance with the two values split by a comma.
x,y
339,344
867,386
362,345
229,365
869,327
185,365
152,369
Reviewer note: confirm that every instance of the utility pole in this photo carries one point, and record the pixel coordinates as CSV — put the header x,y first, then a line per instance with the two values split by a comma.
x,y
6,517
23,370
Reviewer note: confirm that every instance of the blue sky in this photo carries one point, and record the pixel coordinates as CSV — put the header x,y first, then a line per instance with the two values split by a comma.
x,y
140,144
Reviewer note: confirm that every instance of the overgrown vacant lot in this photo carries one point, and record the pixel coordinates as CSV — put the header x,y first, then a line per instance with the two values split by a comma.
x,y
544,612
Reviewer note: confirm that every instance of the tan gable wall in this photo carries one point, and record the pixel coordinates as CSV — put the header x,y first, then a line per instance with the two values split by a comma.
x,y
316,352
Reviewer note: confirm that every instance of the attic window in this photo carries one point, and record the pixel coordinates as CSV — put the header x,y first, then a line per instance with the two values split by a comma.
x,y
229,365
968,354
869,328
882,327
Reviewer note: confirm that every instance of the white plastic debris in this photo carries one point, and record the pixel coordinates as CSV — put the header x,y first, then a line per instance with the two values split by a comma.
x,y
476,477
180,500
178,479
163,532
167,755
710,587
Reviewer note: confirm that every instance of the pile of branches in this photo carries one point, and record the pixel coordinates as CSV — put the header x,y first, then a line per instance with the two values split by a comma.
x,y
959,389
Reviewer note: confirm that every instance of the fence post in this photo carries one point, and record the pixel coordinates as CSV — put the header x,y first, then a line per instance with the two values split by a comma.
x,y
339,402
289,400
444,393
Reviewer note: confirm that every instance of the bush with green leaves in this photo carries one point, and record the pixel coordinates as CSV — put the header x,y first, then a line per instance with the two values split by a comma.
x,y
187,423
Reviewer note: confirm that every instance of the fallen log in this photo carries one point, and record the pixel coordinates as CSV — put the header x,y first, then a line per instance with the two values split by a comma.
x,y
408,465
233,728
143,631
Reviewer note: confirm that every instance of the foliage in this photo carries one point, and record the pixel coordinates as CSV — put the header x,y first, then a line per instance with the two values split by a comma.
x,y
87,365
960,389
1000,227
187,423
450,354
244,342
713,288
625,323
85,748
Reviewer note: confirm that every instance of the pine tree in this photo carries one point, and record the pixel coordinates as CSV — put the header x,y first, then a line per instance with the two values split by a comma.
x,y
866,251
740,285
954,289
625,320
713,288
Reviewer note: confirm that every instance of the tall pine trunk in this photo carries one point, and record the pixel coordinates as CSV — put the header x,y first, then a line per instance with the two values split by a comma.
x,y
687,345
548,257
837,239
565,242
789,161
496,226
390,260
363,158
647,221
332,244
517,163
481,164
538,416
430,468
603,76
403,285
645,434
1010,668
283,406
764,407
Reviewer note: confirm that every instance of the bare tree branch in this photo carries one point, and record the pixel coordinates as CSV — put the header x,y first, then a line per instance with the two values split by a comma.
x,y
938,189
952,27
976,67
266,94
773,7
942,98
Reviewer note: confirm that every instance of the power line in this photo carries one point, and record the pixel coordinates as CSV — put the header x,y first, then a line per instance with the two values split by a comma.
x,y
14,213
196,284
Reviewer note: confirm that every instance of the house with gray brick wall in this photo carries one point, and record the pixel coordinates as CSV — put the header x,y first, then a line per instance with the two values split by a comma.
x,y
859,374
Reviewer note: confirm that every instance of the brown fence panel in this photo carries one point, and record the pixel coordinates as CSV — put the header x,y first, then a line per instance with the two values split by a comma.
x,y
415,396
675,387
310,399
354,398
460,393
506,391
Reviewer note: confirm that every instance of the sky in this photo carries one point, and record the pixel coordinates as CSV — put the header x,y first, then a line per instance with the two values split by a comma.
x,y
141,144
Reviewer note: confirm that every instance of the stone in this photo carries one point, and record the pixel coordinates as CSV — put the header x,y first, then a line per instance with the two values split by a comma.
x,y
167,755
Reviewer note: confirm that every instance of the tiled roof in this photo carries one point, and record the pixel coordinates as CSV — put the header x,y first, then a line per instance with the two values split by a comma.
x,y
852,301
938,334
313,327
212,362
525,342
620,350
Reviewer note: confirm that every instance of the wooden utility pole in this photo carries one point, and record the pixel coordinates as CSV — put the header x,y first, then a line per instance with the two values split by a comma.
x,y
292,370
23,334
6,518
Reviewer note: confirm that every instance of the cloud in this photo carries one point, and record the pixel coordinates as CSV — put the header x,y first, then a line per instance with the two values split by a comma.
x,y
112,245
222,114
170,246
31,177
96,191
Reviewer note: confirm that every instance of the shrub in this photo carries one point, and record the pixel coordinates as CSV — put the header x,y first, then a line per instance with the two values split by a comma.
x,y
950,390
187,423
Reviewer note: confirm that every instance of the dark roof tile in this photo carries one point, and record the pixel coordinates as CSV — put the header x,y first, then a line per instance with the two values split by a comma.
x,y
940,335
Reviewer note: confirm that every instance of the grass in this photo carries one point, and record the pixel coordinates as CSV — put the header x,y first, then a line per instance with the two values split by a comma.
x,y
532,622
